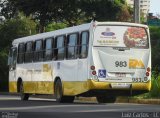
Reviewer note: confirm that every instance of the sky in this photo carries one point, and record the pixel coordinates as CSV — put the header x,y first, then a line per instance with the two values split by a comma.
x,y
155,6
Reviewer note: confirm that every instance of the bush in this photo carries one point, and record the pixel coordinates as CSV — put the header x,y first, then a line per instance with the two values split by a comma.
x,y
155,42
155,88
155,91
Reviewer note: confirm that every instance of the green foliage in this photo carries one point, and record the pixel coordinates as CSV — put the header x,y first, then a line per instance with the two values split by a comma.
x,y
155,33
41,10
103,10
55,26
124,14
155,90
142,18
9,30
8,10
15,28
72,12
155,86
3,70
155,44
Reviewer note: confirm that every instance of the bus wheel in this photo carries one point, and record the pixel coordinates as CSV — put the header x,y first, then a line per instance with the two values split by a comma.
x,y
23,96
68,99
106,99
59,94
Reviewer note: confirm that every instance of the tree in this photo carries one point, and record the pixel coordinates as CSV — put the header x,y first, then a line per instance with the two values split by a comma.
x,y
39,9
8,9
55,26
9,30
155,42
125,14
3,70
72,12
103,10
16,28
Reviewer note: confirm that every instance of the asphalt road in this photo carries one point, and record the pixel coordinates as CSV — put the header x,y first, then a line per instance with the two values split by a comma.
x,y
12,107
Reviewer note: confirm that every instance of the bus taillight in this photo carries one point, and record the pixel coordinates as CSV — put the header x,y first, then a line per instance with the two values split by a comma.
x,y
92,67
148,69
147,73
94,72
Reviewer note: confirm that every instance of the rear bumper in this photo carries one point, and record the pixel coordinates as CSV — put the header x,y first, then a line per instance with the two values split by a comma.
x,y
93,85
102,88
92,88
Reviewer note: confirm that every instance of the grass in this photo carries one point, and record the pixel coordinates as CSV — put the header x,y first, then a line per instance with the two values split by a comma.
x,y
155,90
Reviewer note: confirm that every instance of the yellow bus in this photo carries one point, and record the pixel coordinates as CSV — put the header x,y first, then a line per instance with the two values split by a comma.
x,y
101,59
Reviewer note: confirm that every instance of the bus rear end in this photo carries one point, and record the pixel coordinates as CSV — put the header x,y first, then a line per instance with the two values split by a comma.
x,y
121,63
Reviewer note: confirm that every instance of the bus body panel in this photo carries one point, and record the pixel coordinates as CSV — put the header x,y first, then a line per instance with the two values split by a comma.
x,y
134,64
120,64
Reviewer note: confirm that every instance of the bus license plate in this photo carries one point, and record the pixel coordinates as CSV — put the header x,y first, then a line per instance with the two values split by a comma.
x,y
120,74
120,85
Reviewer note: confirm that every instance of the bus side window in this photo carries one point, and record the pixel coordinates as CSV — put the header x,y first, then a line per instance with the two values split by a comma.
x,y
29,52
12,58
59,48
21,49
83,51
72,46
48,49
38,52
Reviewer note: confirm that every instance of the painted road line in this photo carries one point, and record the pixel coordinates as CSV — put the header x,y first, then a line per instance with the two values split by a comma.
x,y
18,98
41,107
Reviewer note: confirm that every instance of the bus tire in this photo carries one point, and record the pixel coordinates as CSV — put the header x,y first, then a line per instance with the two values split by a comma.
x,y
106,99
68,99
23,96
59,94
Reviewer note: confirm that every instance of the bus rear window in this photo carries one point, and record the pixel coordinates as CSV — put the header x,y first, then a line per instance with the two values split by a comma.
x,y
121,36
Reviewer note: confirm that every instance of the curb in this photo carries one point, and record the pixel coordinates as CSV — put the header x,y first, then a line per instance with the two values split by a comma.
x,y
93,99
7,93
138,101
125,100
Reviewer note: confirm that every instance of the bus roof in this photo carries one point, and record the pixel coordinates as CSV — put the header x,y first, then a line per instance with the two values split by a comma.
x,y
121,24
52,33
69,30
